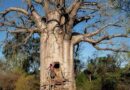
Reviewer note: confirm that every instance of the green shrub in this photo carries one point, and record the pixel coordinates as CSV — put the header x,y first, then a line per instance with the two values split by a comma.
x,y
83,83
109,83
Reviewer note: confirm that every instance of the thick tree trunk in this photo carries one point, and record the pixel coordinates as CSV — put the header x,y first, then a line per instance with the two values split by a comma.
x,y
56,49
56,56
69,64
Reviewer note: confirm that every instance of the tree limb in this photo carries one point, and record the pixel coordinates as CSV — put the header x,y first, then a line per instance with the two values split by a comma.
x,y
62,2
36,18
72,11
100,30
108,37
76,40
82,36
46,6
24,30
69,9
90,3
112,49
12,24
78,20
38,1
28,37
88,8
23,11
34,15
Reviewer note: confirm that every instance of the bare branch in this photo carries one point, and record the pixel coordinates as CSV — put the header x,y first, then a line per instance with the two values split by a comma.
x,y
23,11
90,3
35,16
72,11
100,30
38,1
88,8
62,2
110,37
82,4
28,37
38,20
24,30
69,9
85,37
46,6
12,24
81,37
112,49
78,20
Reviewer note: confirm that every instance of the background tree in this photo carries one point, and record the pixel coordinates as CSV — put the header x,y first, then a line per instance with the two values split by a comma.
x,y
106,74
25,57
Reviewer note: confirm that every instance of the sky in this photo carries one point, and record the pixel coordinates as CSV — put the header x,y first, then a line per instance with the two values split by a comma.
x,y
87,50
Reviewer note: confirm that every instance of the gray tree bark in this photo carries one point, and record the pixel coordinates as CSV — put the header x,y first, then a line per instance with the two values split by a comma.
x,y
56,48
52,50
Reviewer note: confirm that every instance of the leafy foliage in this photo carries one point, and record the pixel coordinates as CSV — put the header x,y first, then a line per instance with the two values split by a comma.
x,y
84,84
106,74
24,56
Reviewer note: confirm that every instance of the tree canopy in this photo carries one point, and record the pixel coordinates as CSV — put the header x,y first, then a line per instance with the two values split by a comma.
x,y
50,29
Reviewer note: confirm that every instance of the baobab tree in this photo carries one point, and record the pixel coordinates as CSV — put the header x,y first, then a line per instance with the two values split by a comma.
x,y
57,38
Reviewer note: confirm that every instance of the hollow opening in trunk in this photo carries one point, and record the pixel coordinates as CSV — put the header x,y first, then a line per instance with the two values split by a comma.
x,y
56,65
